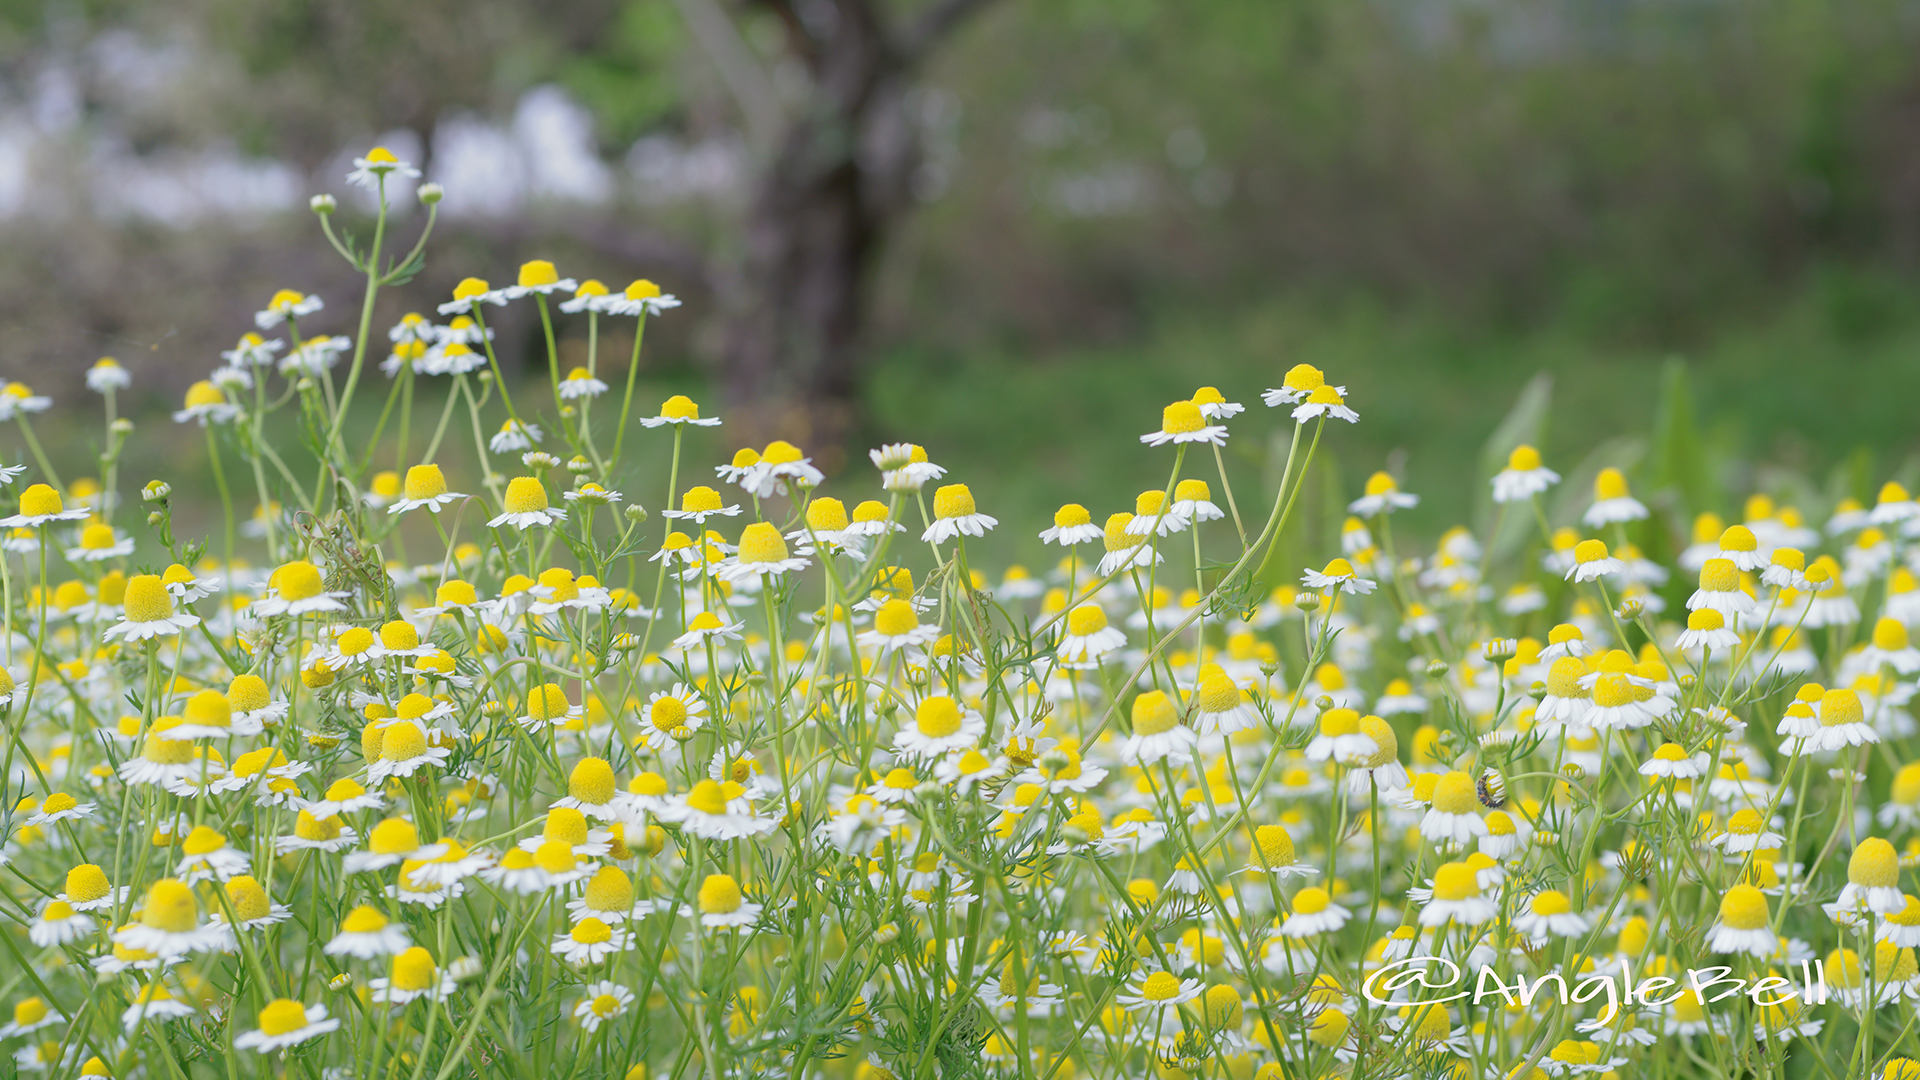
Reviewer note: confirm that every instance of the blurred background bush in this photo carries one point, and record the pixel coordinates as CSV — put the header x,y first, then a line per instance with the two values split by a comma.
x,y
1011,230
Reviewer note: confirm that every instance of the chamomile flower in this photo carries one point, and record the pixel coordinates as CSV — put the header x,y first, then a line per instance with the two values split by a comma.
x,y
514,437
1339,576
940,726
1158,990
640,297
904,466
1612,503
678,410
1071,525
59,924
1383,496
1591,562
1524,477
525,506
1301,381
604,1001
1184,422
1323,402
589,942
955,515
366,934
284,1023
1158,734
1743,925
722,907
42,505
1457,898
411,976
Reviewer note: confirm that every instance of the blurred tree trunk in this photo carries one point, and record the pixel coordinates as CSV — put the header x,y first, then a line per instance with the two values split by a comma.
x,y
833,183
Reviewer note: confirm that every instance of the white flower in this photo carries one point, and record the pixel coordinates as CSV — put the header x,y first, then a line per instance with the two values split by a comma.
x,y
604,1001
371,171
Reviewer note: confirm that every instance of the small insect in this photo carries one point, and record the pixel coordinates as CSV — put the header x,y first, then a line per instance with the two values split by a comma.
x,y
1492,789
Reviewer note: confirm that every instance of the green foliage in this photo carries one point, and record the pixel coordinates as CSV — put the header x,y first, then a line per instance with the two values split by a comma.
x,y
628,77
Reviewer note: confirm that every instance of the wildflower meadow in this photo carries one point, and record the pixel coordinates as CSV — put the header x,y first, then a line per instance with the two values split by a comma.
x,y
444,756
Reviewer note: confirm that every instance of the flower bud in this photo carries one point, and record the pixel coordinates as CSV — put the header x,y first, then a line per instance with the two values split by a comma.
x,y
1269,668
636,513
1629,609
430,194
156,518
1500,650
885,934
1323,703
579,465
156,491
1437,669
1306,601
323,204
122,426
341,981
539,460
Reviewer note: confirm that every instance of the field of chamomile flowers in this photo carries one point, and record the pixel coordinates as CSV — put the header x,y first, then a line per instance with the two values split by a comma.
x,y
490,772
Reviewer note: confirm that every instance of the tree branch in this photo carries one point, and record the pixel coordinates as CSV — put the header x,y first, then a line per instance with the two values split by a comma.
x,y
747,81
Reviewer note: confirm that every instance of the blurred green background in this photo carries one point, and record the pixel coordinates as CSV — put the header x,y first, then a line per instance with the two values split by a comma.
x,y
1702,214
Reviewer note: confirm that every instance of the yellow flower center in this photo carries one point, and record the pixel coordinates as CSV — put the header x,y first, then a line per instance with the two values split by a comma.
x,y
1454,794
308,827
1117,536
425,482
952,501
297,580
86,883
1181,418
1719,575
249,900
1841,707
1071,515
679,407
1744,908
547,702
170,907
719,895
538,272
555,857
247,693
1874,865
565,824
1085,620
1218,694
591,781
412,970
609,890
592,931
282,1015
1523,459
1304,379
895,617
668,713
1610,484
708,797
1551,902
1273,846
403,742
762,543
147,599
1889,635
525,495
1154,713
643,290
1587,551
1160,986
937,717
1455,881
